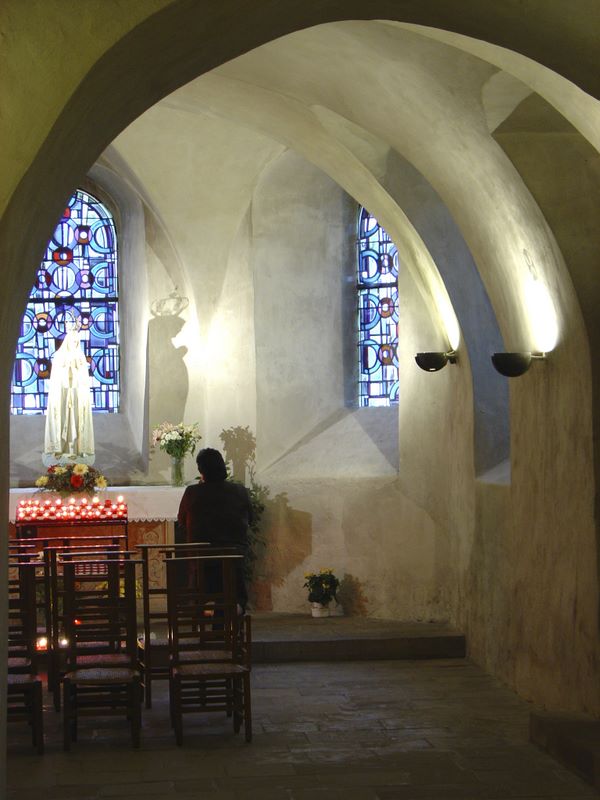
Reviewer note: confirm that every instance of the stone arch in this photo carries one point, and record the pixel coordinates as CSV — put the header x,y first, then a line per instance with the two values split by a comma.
x,y
182,41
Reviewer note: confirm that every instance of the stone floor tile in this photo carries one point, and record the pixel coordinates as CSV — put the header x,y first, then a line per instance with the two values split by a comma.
x,y
348,731
149,789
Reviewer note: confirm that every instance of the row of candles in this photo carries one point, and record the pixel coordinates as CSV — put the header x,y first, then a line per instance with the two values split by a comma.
x,y
42,643
71,510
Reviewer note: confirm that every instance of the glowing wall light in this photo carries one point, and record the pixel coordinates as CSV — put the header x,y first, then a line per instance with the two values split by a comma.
x,y
449,319
543,324
542,315
540,309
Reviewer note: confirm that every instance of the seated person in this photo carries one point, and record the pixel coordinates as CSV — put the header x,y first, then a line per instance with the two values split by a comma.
x,y
217,511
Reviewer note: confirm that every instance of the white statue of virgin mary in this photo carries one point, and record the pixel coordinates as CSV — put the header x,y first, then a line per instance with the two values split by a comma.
x,y
69,429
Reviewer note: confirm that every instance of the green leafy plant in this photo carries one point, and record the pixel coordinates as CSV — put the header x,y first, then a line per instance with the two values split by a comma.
x,y
322,586
258,496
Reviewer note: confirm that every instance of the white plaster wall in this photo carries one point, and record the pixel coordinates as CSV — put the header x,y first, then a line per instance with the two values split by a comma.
x,y
335,497
197,175
229,357
302,229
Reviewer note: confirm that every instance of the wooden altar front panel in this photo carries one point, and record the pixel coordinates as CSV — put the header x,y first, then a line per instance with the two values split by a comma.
x,y
151,514
139,532
152,532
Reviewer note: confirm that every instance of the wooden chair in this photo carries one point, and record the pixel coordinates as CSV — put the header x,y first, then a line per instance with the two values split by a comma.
x,y
54,557
101,618
153,645
24,694
209,645
48,633
20,551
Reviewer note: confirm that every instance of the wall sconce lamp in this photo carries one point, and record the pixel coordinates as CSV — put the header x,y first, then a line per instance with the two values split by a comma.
x,y
433,362
511,365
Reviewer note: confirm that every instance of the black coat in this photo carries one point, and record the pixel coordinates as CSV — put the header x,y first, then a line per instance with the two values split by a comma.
x,y
218,512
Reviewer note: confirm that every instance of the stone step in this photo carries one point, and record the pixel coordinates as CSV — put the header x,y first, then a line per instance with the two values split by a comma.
x,y
297,637
573,739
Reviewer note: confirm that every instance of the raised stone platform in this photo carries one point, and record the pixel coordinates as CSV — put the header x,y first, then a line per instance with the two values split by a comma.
x,y
573,739
299,637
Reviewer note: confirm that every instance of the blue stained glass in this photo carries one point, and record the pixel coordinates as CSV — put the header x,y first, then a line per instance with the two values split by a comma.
x,y
78,275
377,288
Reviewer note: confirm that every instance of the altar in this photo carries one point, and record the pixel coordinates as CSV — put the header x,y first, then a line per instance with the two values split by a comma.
x,y
151,513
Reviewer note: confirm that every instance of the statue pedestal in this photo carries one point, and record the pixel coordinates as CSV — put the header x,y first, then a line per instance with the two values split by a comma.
x,y
51,459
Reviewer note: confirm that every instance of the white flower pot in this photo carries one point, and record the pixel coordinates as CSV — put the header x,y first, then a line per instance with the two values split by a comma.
x,y
319,610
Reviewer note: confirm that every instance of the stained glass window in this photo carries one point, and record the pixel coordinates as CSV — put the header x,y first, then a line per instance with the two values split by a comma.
x,y
77,278
377,287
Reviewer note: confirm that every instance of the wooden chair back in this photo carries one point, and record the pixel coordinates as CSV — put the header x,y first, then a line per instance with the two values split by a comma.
x,y
200,616
22,619
100,616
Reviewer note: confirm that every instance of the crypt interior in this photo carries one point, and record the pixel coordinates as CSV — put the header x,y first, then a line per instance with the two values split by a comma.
x,y
235,148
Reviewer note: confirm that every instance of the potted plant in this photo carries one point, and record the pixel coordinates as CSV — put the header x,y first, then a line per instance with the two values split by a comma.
x,y
322,589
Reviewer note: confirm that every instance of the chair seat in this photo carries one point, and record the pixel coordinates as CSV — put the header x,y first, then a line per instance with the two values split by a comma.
x,y
19,663
100,645
103,660
159,641
20,681
102,675
205,655
211,670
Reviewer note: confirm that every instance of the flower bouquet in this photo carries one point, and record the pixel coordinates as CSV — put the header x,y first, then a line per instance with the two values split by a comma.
x,y
176,441
71,478
322,589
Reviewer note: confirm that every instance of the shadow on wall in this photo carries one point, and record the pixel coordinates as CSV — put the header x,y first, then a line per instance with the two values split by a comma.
x,y
239,445
351,597
167,369
284,538
287,541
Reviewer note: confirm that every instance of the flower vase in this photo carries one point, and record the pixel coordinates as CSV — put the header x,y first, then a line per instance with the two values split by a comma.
x,y
319,610
177,471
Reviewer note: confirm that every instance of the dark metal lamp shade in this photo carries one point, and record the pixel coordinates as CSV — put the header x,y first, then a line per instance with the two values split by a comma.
x,y
511,365
433,362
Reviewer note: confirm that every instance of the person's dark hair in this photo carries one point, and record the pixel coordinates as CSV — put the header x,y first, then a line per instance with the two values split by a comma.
x,y
211,465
